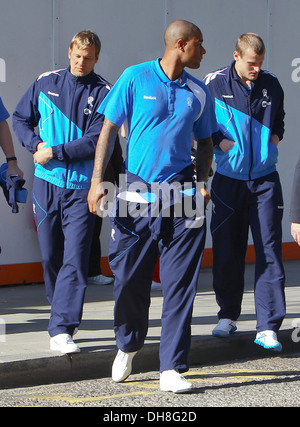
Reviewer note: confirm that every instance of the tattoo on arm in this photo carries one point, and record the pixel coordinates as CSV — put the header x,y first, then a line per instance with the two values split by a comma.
x,y
105,147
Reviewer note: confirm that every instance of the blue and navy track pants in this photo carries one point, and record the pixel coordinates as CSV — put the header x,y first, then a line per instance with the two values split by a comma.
x,y
65,227
238,206
133,254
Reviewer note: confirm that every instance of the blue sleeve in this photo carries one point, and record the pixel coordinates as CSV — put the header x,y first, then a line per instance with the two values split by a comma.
x,y
26,118
4,114
83,148
116,105
206,125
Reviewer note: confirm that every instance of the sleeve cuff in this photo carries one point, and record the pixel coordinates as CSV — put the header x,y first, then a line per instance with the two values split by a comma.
x,y
217,137
58,152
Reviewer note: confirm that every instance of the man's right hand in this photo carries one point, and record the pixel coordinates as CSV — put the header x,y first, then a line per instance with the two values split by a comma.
x,y
96,194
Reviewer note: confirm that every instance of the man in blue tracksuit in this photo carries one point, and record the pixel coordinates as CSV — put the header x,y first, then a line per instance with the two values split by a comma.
x,y
246,190
64,104
165,108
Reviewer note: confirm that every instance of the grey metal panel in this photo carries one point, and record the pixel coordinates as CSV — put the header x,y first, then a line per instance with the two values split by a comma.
x,y
35,36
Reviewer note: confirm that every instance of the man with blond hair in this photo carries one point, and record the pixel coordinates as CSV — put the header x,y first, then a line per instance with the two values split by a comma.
x,y
246,190
64,104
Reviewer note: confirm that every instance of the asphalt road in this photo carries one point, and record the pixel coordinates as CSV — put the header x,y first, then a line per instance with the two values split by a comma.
x,y
266,382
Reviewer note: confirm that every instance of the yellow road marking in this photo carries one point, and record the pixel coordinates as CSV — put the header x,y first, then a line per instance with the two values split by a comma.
x,y
214,376
227,375
90,399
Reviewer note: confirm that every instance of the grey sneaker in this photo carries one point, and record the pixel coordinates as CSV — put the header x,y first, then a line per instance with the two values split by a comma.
x,y
224,328
100,280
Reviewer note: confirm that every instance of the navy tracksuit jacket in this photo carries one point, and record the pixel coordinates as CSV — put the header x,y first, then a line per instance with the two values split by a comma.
x,y
64,107
246,191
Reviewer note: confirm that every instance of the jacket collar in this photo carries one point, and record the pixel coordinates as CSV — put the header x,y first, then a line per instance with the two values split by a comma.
x,y
83,80
232,74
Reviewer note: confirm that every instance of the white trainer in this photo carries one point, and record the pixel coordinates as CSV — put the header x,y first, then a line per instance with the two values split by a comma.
x,y
172,381
224,328
100,280
64,344
122,366
268,340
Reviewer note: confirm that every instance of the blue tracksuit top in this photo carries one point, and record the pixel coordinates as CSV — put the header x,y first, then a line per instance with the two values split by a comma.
x,y
64,107
163,117
249,117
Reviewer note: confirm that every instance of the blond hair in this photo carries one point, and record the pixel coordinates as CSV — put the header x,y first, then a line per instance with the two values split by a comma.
x,y
85,39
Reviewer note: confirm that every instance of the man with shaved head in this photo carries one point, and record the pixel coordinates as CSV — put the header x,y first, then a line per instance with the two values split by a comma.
x,y
180,29
166,108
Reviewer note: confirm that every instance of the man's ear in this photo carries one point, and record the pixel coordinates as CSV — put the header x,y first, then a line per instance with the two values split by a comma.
x,y
236,55
181,44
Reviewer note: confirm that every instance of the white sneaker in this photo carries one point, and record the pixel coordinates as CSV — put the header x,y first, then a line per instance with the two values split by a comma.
x,y
64,344
268,339
100,280
122,366
224,328
172,381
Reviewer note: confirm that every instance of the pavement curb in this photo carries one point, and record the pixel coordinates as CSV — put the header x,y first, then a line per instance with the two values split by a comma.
x,y
92,365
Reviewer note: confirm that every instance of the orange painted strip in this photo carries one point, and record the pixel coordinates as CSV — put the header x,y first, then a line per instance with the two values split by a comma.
x,y
290,251
13,274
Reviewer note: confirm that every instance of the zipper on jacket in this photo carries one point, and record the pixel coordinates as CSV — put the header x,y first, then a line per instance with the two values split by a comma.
x,y
250,133
70,125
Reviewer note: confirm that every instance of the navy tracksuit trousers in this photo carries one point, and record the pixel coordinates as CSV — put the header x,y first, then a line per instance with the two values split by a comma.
x,y
238,205
134,249
65,228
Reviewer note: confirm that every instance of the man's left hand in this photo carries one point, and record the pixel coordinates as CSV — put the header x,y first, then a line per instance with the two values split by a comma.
x,y
295,232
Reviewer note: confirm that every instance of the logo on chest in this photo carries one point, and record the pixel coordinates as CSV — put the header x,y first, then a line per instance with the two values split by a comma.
x,y
88,110
266,99
189,102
